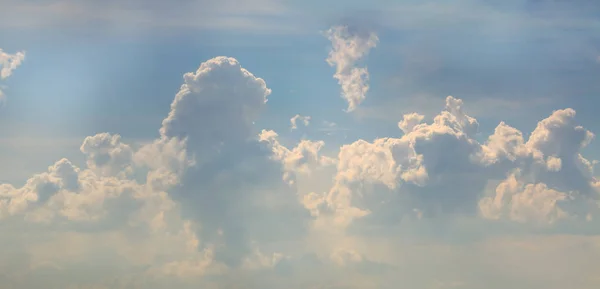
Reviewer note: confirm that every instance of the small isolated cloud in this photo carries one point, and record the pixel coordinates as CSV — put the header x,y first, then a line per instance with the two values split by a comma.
x,y
8,64
294,121
348,47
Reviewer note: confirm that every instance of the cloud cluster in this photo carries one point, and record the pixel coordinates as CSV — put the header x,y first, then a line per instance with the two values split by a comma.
x,y
347,48
440,168
129,195
215,202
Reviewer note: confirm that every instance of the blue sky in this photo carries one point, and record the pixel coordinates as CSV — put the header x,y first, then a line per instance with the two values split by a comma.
x,y
207,185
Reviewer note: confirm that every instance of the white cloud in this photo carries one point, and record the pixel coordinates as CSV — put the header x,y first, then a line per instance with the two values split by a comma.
x,y
524,203
76,215
552,172
347,48
294,121
302,159
214,202
123,195
409,122
440,169
106,154
8,64
233,185
217,103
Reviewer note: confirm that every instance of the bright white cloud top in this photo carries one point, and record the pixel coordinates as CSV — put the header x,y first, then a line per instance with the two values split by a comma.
x,y
215,202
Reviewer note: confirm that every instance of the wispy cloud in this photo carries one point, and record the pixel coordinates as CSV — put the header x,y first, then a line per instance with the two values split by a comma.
x,y
255,15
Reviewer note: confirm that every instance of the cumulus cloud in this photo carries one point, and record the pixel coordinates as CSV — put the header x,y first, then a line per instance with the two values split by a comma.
x,y
233,184
524,203
72,218
107,154
348,47
409,121
553,176
137,193
294,121
215,202
217,103
298,160
439,168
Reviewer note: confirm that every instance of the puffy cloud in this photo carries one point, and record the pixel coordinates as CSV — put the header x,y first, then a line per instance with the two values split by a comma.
x,y
196,170
558,134
349,47
417,166
552,180
167,160
217,103
507,143
76,215
217,203
106,154
214,163
301,159
440,168
524,202
467,124
294,121
233,185
409,121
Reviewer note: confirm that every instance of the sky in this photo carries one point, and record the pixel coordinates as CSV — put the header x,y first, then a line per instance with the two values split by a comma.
x,y
299,144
